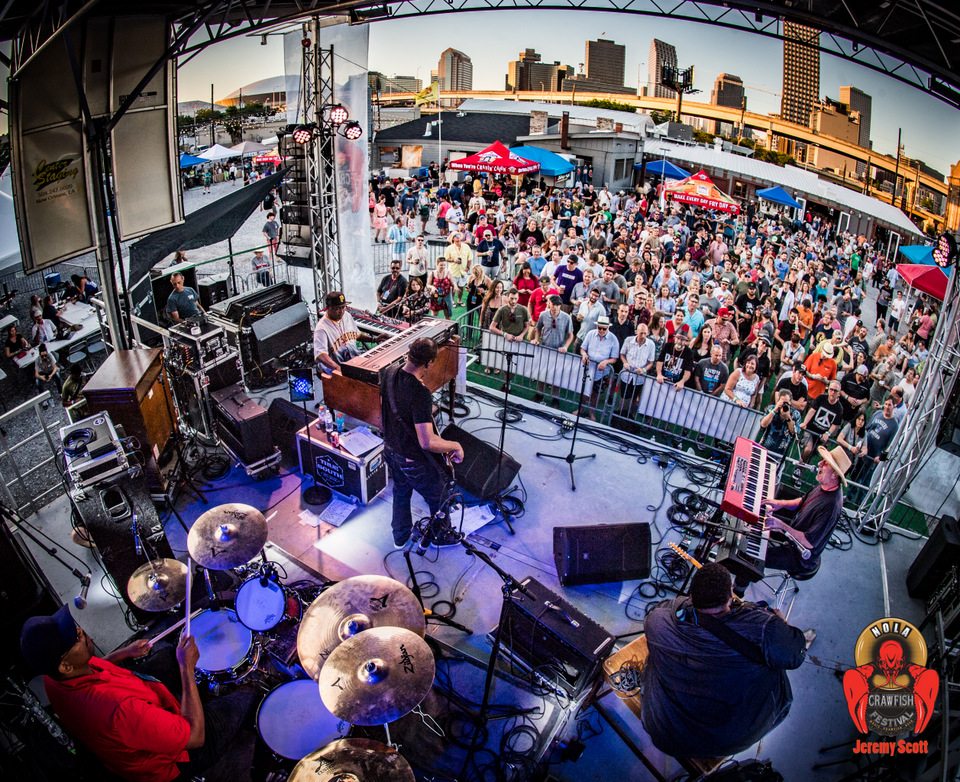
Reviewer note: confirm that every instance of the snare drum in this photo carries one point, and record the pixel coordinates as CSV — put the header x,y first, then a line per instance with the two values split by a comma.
x,y
293,721
225,644
262,604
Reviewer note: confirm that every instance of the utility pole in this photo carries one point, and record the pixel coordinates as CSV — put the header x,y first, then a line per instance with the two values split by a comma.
x,y
213,121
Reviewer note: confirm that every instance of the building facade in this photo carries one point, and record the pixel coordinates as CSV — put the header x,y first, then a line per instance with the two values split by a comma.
x,y
835,119
661,53
606,62
527,72
727,91
860,102
385,85
801,78
454,71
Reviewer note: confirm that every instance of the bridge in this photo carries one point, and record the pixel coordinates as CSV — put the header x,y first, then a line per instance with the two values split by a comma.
x,y
771,125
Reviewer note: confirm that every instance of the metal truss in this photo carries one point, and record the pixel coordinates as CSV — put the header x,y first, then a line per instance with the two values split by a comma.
x,y
920,425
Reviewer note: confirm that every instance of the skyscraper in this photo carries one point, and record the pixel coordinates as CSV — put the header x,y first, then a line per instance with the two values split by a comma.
x,y
727,91
801,72
605,62
859,101
661,54
527,72
454,71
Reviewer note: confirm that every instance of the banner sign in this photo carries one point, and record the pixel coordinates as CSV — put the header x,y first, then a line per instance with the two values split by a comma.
x,y
411,156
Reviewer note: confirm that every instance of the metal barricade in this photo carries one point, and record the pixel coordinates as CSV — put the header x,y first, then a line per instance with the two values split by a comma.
x,y
27,474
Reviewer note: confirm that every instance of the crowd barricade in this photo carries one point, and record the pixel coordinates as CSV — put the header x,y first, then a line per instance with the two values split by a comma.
x,y
532,363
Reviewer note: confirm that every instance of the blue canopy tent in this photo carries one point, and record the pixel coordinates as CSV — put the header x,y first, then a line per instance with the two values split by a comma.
x,y
664,168
779,196
189,160
551,164
917,253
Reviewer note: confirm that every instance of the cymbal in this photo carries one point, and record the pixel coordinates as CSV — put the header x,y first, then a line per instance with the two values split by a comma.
x,y
227,536
377,676
159,585
353,760
350,607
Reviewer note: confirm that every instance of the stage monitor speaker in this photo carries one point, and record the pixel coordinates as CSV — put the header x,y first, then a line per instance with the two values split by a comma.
x,y
601,552
286,419
938,555
282,332
542,629
478,473
243,425
212,291
107,513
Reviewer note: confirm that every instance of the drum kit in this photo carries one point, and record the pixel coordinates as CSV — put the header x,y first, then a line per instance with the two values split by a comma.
x,y
360,642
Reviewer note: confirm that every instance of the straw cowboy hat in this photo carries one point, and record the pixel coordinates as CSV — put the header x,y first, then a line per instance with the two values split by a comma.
x,y
838,460
827,349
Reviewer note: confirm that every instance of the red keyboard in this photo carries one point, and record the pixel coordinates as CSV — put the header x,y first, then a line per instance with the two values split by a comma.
x,y
751,479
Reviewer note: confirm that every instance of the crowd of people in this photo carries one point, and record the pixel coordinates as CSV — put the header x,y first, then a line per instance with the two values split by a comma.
x,y
764,313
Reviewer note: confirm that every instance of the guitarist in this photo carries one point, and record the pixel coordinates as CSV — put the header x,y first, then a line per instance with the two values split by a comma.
x,y
412,443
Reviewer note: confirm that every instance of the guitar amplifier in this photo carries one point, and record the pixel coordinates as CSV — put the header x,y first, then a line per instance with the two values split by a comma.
x,y
543,629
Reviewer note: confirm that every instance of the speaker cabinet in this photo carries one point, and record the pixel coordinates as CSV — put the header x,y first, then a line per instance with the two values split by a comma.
x,y
286,419
212,291
479,473
242,424
107,513
601,553
939,553
540,628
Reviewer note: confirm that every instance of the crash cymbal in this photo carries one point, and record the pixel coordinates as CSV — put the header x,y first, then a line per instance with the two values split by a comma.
x,y
158,585
227,536
377,676
353,760
350,607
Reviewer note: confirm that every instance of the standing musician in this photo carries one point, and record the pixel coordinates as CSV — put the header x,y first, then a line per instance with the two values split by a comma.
x,y
715,680
391,290
412,443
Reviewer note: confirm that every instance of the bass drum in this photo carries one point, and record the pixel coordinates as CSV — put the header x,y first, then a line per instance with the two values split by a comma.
x,y
293,722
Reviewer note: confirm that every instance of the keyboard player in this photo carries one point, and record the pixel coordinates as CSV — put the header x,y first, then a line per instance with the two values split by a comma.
x,y
335,337
813,519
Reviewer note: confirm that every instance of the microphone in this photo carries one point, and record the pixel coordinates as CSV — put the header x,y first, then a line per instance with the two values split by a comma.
x,y
80,601
137,542
567,618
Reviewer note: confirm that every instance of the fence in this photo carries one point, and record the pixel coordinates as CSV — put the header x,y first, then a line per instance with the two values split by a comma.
x,y
28,472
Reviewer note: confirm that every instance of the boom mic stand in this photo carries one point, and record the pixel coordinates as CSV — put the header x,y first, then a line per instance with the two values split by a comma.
x,y
571,458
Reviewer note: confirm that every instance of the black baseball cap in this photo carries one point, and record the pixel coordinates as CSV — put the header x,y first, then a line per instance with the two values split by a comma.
x,y
45,639
336,299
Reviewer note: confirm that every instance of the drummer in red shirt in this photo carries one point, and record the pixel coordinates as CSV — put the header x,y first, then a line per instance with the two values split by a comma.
x,y
133,724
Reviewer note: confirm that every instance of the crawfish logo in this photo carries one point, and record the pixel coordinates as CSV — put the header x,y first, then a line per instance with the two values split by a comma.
x,y
891,691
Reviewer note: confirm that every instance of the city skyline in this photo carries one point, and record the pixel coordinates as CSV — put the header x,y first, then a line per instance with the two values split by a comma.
x,y
929,125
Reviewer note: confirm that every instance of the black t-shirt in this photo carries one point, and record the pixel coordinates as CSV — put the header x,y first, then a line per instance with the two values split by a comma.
x,y
748,307
785,330
710,375
825,415
799,391
850,385
413,404
675,364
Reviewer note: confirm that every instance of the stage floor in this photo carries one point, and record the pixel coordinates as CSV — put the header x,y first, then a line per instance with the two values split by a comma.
x,y
854,586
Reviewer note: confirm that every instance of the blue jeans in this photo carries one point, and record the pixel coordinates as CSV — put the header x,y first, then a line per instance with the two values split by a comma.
x,y
409,475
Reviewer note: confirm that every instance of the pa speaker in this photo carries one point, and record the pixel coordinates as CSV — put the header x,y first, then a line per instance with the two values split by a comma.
x,y
286,419
483,472
601,553
936,557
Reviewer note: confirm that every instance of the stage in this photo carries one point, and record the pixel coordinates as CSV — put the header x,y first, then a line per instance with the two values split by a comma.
x,y
857,583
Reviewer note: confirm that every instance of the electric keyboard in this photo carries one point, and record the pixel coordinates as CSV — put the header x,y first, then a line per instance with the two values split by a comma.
x,y
377,325
366,367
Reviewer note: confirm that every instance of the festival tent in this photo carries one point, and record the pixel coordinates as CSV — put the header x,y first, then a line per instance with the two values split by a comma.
x,y
917,253
663,168
779,196
551,164
699,190
191,160
495,159
217,152
931,280
270,156
248,148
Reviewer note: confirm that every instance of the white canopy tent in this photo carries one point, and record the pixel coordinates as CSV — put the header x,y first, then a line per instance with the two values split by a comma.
x,y
248,148
218,152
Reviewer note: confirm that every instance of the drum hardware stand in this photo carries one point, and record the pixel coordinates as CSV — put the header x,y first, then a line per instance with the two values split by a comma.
x,y
503,414
180,477
415,588
510,584
316,493
571,458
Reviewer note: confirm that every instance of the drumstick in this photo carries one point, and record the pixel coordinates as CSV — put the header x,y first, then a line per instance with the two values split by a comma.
x,y
173,627
189,589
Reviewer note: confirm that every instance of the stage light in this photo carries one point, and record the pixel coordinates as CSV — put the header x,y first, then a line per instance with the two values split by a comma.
x,y
945,251
339,114
352,130
302,134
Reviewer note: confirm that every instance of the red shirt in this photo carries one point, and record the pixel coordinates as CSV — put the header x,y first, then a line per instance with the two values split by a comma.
x,y
133,726
526,286
538,301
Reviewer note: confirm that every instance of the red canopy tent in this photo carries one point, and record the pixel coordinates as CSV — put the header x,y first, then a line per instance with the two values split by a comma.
x,y
927,279
495,159
699,190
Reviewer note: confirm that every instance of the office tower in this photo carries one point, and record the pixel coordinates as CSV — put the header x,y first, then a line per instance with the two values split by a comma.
x,y
527,72
661,54
859,101
801,72
605,62
455,71
727,91
835,119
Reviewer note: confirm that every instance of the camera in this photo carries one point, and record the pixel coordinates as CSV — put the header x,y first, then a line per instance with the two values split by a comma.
x,y
784,408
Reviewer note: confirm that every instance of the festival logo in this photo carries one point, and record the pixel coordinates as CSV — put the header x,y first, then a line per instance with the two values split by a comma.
x,y
891,691
329,472
487,157
46,174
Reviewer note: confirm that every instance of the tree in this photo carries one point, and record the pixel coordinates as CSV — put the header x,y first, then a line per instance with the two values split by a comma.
x,y
613,105
703,137
659,117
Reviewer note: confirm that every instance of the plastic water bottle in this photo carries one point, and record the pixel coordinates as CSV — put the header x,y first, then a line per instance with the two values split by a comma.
x,y
327,421
321,416
340,423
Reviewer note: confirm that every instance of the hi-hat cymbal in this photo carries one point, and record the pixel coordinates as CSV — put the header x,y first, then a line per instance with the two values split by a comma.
x,y
350,607
158,585
227,536
377,676
353,760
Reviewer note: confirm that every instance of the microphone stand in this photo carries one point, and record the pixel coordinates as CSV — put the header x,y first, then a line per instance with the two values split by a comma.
x,y
571,458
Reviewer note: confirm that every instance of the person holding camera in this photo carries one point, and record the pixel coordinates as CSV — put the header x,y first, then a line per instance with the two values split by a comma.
x,y
780,424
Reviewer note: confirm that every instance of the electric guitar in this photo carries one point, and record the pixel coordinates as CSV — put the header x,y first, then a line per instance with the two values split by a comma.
x,y
685,555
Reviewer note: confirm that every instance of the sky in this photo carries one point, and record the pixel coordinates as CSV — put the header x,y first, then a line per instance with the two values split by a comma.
x,y
411,47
